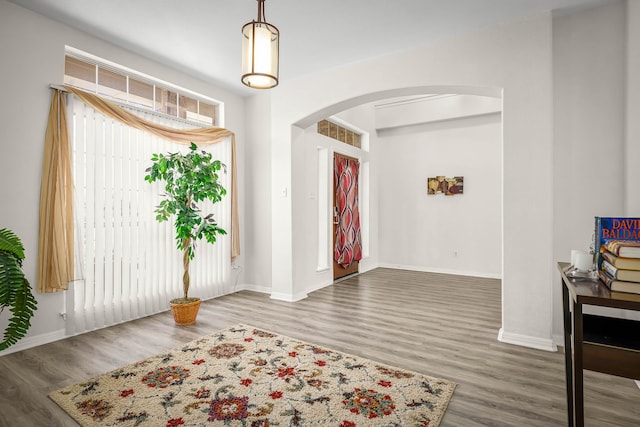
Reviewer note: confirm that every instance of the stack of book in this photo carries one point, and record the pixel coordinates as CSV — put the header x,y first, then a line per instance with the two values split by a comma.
x,y
620,268
617,250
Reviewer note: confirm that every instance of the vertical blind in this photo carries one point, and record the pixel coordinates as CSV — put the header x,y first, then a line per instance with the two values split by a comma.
x,y
127,262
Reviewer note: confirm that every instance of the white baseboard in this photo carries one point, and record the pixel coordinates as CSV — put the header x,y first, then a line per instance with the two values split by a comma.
x,y
526,341
558,340
34,341
638,383
254,288
442,271
280,296
319,286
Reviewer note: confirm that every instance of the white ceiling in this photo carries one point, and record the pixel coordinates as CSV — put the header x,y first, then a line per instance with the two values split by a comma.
x,y
202,37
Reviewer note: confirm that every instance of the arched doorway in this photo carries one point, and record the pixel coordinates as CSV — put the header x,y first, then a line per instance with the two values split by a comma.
x,y
305,146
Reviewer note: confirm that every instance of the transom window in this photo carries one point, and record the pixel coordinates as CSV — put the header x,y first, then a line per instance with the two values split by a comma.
x,y
93,75
340,133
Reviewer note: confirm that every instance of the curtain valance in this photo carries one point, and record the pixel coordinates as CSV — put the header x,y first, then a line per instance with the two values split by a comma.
x,y
56,241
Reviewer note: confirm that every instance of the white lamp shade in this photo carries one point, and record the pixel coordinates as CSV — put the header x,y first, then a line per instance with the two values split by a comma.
x,y
260,42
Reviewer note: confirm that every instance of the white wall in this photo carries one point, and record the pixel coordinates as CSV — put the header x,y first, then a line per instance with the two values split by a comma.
x,y
416,110
257,172
632,143
513,60
32,49
459,234
589,129
305,200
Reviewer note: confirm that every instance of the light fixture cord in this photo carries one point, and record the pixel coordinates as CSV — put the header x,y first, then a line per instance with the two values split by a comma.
x,y
261,17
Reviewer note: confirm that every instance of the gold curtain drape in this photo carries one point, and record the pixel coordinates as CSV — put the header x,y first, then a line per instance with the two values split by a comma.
x,y
55,239
55,252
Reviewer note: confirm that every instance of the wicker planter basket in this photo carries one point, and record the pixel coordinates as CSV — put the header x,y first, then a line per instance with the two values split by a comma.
x,y
185,314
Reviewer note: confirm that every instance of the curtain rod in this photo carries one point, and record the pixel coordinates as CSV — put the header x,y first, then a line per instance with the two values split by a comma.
x,y
58,87
138,109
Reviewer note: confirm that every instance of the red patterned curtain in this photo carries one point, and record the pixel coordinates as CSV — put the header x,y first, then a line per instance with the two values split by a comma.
x,y
348,242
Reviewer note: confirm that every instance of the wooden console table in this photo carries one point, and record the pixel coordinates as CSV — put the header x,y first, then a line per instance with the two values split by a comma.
x,y
597,343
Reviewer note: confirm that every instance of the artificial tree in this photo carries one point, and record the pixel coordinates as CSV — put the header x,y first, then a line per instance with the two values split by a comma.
x,y
15,291
189,179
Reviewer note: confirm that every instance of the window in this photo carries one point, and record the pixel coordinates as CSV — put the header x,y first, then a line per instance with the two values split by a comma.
x,y
323,209
340,133
106,79
127,263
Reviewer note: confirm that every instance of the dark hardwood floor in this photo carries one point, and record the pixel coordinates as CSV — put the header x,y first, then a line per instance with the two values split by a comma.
x,y
440,325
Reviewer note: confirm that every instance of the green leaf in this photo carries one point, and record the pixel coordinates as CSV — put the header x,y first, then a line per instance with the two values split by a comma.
x,y
189,179
15,291
9,242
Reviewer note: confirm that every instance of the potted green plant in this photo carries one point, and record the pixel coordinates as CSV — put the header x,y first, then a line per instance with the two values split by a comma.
x,y
15,291
189,179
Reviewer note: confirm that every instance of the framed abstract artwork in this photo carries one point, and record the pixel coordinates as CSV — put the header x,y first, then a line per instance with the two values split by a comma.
x,y
447,186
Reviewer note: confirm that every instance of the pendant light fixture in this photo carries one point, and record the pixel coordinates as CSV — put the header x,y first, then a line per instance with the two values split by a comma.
x,y
260,49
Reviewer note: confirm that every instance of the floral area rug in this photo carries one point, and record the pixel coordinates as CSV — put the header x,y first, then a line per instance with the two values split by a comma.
x,y
244,376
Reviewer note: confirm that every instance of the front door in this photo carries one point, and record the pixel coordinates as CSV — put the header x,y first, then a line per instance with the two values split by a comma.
x,y
347,241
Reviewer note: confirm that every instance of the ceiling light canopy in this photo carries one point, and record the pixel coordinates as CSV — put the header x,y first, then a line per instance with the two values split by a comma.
x,y
260,49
